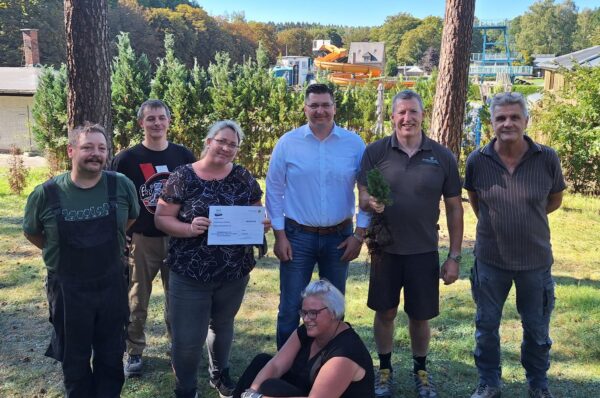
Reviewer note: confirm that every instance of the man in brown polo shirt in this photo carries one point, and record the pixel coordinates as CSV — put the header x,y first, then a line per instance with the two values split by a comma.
x,y
513,183
419,171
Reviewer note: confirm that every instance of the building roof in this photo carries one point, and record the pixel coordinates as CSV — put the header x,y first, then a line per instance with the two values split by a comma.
x,y
586,57
375,48
19,80
539,59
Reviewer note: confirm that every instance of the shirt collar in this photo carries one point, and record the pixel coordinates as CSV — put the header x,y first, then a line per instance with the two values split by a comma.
x,y
334,131
425,142
488,149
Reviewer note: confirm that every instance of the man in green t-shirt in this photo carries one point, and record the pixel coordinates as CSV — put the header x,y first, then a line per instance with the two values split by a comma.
x,y
79,219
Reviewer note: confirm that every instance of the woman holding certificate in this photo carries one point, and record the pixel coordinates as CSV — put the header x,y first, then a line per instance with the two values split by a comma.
x,y
207,282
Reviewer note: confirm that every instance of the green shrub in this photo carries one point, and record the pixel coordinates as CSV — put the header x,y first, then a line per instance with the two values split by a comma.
x,y
570,122
526,89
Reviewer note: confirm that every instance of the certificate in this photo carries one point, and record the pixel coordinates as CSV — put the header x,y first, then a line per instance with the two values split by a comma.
x,y
236,225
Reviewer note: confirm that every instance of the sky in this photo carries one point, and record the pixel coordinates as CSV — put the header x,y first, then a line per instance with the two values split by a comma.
x,y
363,12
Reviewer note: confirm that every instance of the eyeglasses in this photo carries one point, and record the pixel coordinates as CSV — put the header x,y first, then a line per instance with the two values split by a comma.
x,y
325,105
310,314
224,143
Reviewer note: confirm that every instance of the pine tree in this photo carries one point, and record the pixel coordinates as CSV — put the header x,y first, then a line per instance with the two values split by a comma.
x,y
170,84
50,115
199,107
130,88
378,187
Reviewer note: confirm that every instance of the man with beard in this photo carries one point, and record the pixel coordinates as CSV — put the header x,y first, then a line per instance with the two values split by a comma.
x,y
79,219
148,164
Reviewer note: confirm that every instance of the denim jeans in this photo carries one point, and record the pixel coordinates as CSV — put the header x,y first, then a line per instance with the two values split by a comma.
x,y
535,301
308,249
201,312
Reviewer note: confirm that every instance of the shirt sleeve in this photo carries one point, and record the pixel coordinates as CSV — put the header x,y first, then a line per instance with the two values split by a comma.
x,y
452,185
275,183
558,180
191,158
469,173
363,218
36,202
365,166
255,191
134,205
173,189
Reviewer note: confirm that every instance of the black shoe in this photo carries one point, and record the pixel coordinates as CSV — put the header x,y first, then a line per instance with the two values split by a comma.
x,y
223,384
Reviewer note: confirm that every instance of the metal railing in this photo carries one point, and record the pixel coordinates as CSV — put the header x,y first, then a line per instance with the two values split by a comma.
x,y
496,69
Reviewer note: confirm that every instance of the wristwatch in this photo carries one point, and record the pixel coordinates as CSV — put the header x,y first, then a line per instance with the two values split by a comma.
x,y
456,258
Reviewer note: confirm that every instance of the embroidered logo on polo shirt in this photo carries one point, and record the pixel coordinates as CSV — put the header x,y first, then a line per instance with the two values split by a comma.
x,y
431,160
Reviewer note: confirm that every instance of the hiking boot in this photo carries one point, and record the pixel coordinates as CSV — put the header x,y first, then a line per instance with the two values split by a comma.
x,y
223,384
133,366
540,393
383,383
424,385
485,391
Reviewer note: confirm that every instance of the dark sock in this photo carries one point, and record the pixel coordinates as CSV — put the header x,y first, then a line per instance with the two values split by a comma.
x,y
419,363
385,361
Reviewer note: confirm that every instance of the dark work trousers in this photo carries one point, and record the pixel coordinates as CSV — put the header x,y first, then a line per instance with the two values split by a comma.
x,y
87,296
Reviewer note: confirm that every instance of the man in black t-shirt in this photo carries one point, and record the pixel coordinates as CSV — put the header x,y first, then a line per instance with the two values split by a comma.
x,y
148,165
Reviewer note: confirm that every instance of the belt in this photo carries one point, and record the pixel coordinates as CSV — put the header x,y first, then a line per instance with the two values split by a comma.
x,y
322,230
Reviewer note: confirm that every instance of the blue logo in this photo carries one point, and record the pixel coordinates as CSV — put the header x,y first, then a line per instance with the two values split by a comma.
x,y
431,160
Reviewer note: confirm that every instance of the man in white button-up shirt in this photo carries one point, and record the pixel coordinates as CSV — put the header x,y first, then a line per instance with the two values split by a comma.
x,y
311,203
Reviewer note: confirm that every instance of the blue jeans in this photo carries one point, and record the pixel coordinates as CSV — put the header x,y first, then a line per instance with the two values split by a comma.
x,y
308,249
201,313
535,301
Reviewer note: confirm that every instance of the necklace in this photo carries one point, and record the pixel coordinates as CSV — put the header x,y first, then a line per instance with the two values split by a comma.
x,y
330,338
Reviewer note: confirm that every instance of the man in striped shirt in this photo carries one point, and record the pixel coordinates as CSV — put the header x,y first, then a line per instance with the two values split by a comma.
x,y
513,184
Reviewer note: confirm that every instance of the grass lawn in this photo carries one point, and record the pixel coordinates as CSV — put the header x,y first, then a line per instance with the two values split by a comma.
x,y
575,370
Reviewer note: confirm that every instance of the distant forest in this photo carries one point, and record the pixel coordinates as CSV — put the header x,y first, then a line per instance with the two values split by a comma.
x,y
547,27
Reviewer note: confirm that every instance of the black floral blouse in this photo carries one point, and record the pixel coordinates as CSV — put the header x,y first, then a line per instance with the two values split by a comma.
x,y
192,257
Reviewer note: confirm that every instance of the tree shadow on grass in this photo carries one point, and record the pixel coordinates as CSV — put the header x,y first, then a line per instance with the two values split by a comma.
x,y
453,378
570,281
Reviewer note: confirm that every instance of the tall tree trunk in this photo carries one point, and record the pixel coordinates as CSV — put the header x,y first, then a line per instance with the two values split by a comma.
x,y
88,63
451,90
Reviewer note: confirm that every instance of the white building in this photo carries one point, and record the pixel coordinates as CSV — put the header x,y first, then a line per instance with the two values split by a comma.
x,y
301,66
17,87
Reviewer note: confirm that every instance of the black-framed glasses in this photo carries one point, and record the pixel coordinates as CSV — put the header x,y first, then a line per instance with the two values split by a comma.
x,y
325,105
224,143
310,314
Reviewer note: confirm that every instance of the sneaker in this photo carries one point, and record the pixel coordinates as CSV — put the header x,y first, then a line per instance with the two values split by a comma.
x,y
540,393
223,384
485,391
383,383
133,366
424,385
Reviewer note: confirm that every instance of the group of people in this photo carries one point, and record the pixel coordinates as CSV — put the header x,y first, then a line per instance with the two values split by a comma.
x,y
105,235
